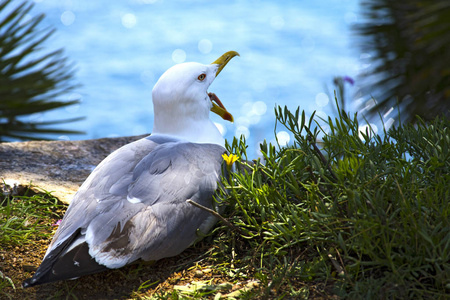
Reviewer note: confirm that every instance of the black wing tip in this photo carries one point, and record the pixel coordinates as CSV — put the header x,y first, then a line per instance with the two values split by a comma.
x,y
27,283
65,267
30,282
38,279
59,265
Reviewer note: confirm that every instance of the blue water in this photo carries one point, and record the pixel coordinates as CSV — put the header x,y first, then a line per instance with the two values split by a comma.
x,y
289,51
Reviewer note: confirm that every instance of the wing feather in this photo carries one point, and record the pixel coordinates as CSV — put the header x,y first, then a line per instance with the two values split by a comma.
x,y
162,224
95,190
159,175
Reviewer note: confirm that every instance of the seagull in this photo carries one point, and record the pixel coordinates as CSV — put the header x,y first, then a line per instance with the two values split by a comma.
x,y
134,206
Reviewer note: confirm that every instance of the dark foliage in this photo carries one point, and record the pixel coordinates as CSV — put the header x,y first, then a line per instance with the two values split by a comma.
x,y
30,81
409,44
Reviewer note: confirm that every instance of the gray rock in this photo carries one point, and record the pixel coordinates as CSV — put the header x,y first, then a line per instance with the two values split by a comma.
x,y
59,167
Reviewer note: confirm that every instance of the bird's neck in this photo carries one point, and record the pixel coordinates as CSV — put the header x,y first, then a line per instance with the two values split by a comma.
x,y
192,130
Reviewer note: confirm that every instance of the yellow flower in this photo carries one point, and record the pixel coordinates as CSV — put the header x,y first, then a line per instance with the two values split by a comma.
x,y
229,159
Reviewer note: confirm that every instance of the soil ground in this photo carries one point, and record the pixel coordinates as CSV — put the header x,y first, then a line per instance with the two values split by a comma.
x,y
19,263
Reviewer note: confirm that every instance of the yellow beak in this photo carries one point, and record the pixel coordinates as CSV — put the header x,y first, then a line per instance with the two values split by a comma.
x,y
223,60
217,106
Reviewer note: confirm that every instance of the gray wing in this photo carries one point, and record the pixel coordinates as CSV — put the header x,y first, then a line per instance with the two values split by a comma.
x,y
133,206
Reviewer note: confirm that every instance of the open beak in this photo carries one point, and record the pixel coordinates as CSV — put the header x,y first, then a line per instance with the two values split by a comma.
x,y
219,109
217,106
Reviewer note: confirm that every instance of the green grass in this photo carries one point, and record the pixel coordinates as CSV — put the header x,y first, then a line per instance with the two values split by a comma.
x,y
24,219
365,217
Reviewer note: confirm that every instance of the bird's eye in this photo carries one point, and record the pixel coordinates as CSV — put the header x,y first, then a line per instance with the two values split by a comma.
x,y
201,77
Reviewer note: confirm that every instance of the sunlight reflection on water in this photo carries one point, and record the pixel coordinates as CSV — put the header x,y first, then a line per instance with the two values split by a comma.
x,y
67,18
178,56
129,20
205,46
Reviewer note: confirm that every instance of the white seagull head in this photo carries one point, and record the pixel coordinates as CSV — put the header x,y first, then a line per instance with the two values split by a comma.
x,y
181,102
